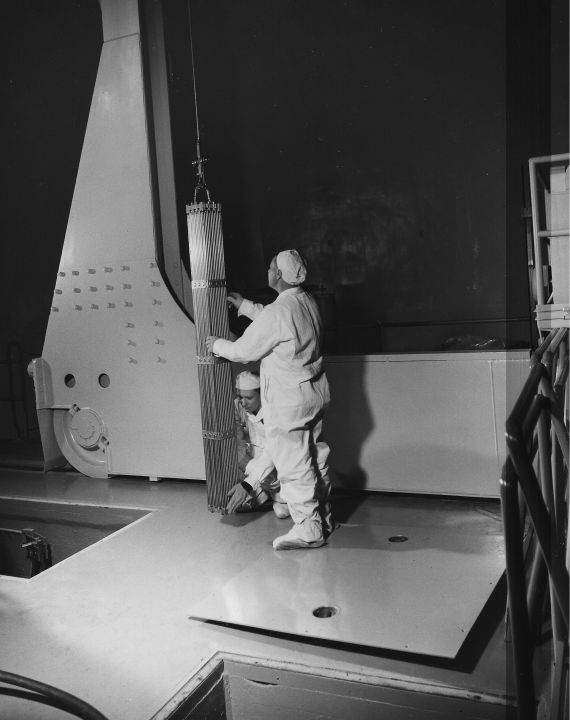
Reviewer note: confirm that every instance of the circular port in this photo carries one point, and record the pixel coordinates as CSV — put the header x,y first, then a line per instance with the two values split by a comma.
x,y
69,380
325,611
104,380
398,538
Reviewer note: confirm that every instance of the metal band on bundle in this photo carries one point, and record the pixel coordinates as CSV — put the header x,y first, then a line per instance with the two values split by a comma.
x,y
222,435
197,284
214,374
210,360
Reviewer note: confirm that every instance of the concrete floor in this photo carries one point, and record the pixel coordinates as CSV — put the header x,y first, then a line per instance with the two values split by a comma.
x,y
112,623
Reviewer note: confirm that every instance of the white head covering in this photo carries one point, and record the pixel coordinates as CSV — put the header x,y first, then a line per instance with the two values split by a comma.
x,y
247,381
292,266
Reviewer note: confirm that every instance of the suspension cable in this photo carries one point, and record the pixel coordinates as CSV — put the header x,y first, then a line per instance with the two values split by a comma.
x,y
200,161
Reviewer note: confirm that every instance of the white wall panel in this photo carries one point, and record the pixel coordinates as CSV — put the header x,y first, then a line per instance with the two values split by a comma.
x,y
425,423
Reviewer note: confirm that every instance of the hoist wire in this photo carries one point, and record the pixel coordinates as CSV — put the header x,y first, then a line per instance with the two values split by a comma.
x,y
215,381
200,161
193,74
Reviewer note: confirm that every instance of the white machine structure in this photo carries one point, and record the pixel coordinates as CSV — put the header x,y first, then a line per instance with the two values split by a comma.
x,y
117,384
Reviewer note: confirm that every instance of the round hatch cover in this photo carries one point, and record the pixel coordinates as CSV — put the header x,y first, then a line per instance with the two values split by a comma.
x,y
86,428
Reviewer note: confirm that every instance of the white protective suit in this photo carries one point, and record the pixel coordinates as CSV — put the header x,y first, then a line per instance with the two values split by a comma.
x,y
286,337
259,472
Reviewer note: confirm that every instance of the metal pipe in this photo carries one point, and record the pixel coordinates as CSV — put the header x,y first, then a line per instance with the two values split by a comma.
x,y
537,424
525,397
561,436
544,448
541,522
562,369
543,347
518,610
559,335
536,590
538,575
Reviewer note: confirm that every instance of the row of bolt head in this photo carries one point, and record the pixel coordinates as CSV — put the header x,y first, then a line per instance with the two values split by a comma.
x,y
159,359
93,288
130,325
107,269
125,286
127,303
94,306
158,341
156,323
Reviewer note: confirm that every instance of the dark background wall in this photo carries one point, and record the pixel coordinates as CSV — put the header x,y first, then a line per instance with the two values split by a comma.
x,y
386,139
370,135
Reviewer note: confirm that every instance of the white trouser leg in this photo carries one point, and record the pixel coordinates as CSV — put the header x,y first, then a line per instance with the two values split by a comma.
x,y
294,442
271,487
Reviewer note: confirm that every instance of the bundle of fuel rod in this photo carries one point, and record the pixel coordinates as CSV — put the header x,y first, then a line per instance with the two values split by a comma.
x,y
214,374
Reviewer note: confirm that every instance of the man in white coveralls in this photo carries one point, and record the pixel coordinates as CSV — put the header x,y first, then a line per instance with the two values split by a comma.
x,y
259,478
286,336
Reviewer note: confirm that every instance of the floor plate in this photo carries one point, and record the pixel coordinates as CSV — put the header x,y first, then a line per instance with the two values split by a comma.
x,y
410,589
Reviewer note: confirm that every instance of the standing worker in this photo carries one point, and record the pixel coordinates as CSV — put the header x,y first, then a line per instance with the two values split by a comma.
x,y
286,336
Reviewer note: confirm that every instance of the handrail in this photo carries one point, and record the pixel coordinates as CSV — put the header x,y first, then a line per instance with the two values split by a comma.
x,y
534,486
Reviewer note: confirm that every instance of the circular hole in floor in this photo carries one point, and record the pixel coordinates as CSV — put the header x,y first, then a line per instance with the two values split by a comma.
x,y
325,611
398,538
104,380
69,380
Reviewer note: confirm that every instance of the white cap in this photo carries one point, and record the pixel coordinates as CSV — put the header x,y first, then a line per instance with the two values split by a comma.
x,y
247,381
293,269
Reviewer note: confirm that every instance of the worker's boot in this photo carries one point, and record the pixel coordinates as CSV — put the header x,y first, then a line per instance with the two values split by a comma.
x,y
281,510
302,536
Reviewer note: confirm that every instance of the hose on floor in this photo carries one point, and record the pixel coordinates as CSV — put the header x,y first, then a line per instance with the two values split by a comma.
x,y
60,698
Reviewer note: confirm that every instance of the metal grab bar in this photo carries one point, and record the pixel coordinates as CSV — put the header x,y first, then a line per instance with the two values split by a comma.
x,y
534,485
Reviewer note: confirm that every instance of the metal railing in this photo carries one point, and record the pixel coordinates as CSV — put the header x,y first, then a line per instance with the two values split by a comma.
x,y
534,501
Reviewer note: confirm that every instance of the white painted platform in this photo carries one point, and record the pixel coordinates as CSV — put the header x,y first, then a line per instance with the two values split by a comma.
x,y
111,624
419,596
